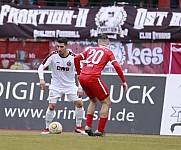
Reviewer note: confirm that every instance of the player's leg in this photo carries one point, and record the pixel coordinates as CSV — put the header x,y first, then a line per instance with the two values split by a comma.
x,y
104,112
90,111
79,112
52,98
86,85
93,101
79,109
49,114
90,115
103,96
49,117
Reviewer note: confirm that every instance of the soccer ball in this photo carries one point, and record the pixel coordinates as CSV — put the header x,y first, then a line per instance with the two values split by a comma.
x,y
55,128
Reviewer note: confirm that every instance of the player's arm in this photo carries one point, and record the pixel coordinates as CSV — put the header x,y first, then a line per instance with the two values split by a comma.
x,y
79,90
120,73
41,68
77,60
41,76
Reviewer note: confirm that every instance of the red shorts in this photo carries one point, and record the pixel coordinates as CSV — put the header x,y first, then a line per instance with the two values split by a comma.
x,y
94,87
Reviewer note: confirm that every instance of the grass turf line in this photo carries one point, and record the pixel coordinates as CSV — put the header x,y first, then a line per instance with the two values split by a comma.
x,y
31,140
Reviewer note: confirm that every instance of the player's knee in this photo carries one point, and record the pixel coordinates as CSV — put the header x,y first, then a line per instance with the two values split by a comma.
x,y
79,104
93,102
51,107
106,102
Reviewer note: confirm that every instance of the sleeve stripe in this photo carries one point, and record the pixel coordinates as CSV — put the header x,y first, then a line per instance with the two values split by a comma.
x,y
44,61
113,61
82,55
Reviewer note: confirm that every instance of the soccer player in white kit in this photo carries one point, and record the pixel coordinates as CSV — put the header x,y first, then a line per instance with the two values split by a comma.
x,y
62,82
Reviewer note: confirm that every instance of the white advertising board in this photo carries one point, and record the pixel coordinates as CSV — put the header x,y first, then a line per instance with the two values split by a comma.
x,y
171,115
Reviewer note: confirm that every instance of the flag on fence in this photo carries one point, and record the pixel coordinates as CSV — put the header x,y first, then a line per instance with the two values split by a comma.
x,y
172,58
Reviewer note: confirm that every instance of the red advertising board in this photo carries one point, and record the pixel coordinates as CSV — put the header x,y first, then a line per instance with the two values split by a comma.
x,y
22,55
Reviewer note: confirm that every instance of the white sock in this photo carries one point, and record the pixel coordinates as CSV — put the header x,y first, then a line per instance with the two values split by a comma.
x,y
79,112
49,117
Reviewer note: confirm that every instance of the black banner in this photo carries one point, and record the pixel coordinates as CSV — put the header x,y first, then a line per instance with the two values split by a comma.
x,y
125,23
139,111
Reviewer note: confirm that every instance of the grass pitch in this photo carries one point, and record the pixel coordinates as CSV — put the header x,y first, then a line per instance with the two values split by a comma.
x,y
33,140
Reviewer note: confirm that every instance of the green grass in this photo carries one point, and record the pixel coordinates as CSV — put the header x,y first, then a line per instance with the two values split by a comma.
x,y
33,140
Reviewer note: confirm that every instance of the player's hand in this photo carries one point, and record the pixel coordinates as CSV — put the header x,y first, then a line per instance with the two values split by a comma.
x,y
80,92
125,86
42,84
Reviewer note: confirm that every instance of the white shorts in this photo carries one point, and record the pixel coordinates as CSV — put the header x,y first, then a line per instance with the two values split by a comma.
x,y
71,93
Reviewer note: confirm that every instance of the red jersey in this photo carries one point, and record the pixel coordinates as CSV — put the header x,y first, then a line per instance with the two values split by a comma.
x,y
96,59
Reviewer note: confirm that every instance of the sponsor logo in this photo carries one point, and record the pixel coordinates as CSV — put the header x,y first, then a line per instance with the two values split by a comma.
x,y
62,68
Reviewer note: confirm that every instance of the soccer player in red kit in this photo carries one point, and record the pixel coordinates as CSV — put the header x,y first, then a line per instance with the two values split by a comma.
x,y
90,79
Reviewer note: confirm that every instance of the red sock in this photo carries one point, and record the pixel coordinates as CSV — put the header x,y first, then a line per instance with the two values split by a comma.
x,y
102,124
89,120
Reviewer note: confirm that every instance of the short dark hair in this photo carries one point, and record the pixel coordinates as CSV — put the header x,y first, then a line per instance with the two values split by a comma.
x,y
62,40
102,36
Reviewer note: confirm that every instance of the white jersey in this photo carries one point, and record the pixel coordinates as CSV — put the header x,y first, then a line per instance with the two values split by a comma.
x,y
63,71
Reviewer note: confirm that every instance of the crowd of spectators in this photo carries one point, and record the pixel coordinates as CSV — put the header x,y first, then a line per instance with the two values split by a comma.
x,y
85,3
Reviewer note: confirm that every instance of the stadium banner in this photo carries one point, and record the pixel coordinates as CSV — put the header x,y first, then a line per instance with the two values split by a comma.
x,y
125,23
22,55
171,116
132,57
139,111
